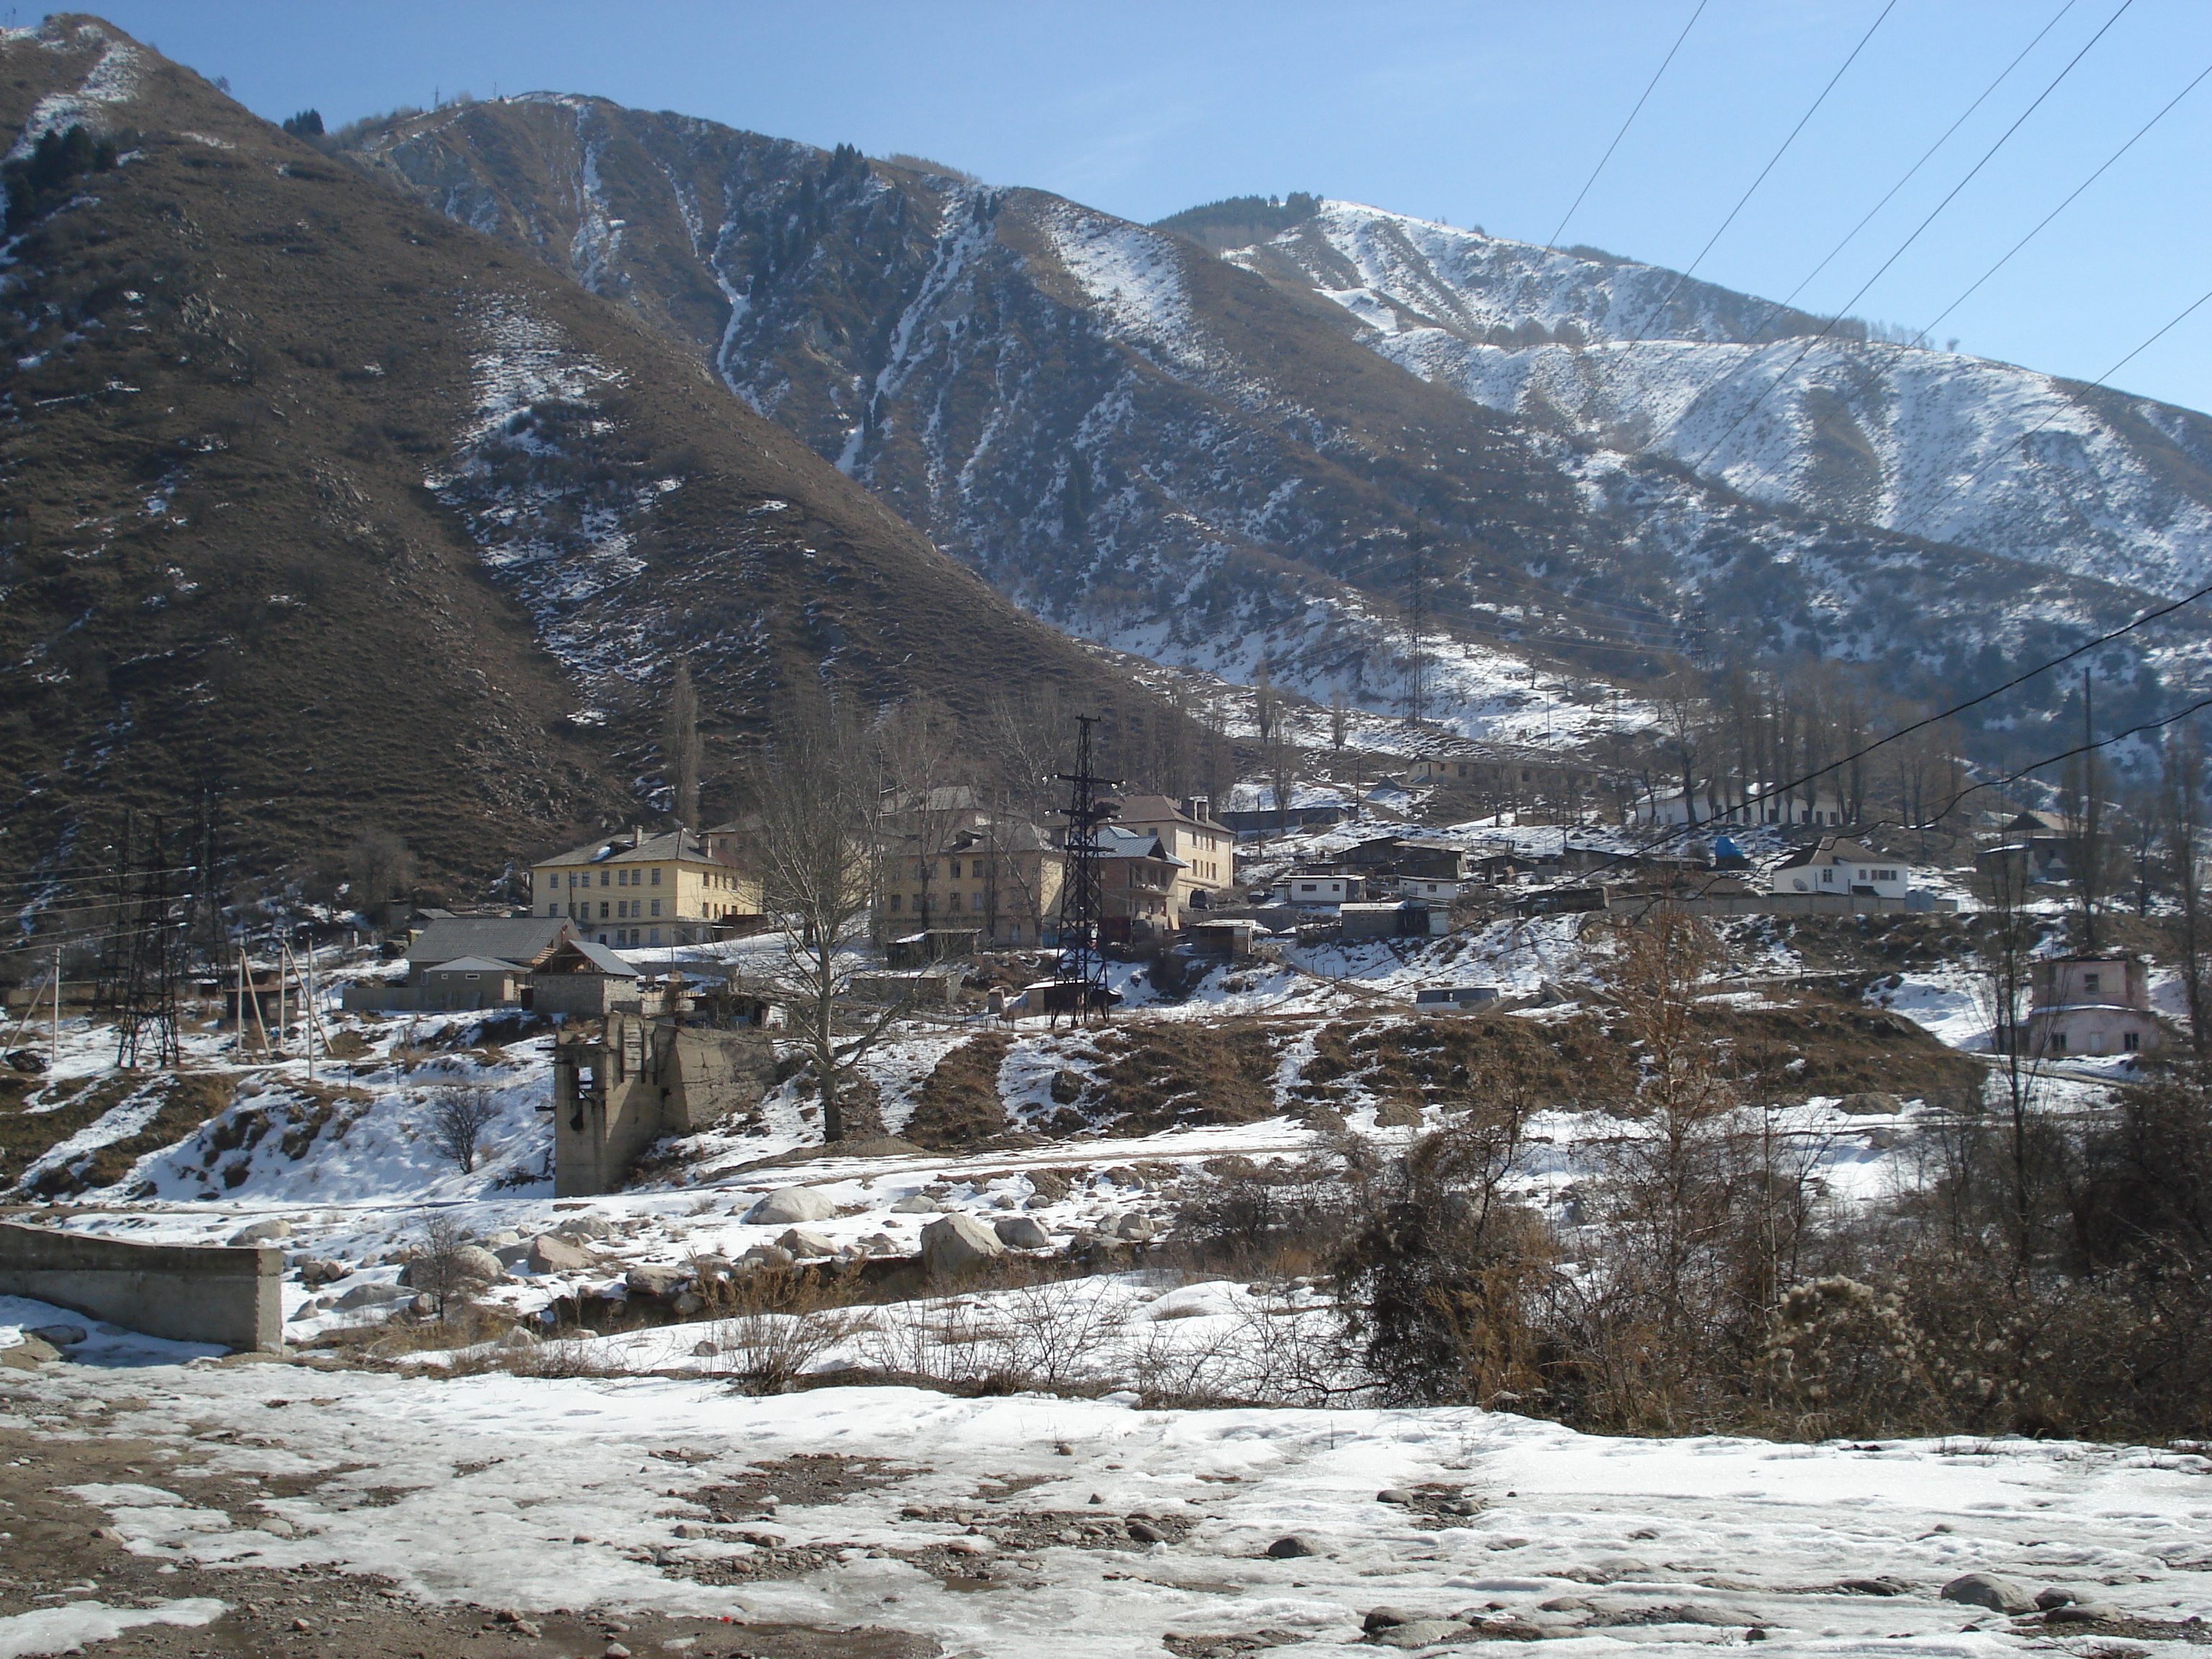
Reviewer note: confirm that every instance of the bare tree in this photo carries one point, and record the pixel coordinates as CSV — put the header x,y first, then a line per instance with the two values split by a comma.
x,y
2184,849
1339,716
435,1267
2007,936
819,799
679,745
459,1113
381,869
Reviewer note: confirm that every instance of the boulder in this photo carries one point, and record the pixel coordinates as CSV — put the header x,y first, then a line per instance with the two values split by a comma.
x,y
374,1294
1885,1585
586,1227
713,1267
787,1204
1421,1633
1393,1495
1143,1532
1066,1087
1050,1184
518,1339
1020,1232
880,1244
62,1336
654,1281
765,1255
2082,1612
29,1353
1386,1619
1986,1590
2055,1596
552,1253
1135,1228
471,1262
705,1350
1293,1546
262,1233
805,1243
954,1243
1871,1103
916,1203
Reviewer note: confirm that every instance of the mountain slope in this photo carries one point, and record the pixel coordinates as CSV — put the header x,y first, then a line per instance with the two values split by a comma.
x,y
1156,448
322,505
1959,449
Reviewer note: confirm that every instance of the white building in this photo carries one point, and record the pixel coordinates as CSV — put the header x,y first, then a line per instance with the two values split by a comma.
x,y
1758,805
1837,865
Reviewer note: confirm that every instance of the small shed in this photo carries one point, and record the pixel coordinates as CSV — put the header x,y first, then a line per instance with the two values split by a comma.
x,y
935,944
1406,919
470,982
1227,937
581,977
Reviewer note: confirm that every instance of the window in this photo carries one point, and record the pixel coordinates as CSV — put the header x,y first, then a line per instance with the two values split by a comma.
x,y
603,881
917,904
953,902
656,906
1885,875
953,869
656,875
602,910
896,898
2058,1043
2089,985
2131,1041
552,909
655,936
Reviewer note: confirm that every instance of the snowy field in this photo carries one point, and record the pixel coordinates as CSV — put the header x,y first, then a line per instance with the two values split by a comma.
x,y
1004,1526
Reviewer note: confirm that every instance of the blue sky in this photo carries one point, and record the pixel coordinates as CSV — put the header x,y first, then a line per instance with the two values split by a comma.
x,y
1480,114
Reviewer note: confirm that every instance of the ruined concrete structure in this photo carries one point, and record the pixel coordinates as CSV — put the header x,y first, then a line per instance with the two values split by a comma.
x,y
619,1088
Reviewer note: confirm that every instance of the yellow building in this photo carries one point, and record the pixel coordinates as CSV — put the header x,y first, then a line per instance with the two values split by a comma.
x,y
1188,832
997,875
634,890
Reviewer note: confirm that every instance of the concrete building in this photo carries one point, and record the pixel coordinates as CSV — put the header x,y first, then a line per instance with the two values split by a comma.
x,y
582,978
2091,1005
1137,881
635,890
617,1089
962,867
469,982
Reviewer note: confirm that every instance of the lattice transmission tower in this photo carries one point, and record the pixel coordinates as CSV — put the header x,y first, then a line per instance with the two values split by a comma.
x,y
1082,893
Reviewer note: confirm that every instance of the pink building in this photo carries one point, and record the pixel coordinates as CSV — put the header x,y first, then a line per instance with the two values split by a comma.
x,y
2091,1005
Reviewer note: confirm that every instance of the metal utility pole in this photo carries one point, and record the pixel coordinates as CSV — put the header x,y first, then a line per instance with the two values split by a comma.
x,y
146,1026
1082,893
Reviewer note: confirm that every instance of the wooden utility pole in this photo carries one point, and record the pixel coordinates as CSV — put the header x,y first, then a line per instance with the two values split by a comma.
x,y
54,1063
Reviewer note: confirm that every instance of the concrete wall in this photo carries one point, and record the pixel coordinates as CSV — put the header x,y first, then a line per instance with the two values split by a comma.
x,y
593,996
1790,904
186,1293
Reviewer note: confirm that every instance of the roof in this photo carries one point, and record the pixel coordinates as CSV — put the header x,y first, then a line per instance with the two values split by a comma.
x,y
634,846
1158,809
1837,849
1114,841
596,958
500,939
473,965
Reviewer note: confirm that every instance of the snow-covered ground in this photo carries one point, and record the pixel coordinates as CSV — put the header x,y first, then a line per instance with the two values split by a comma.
x,y
1002,1526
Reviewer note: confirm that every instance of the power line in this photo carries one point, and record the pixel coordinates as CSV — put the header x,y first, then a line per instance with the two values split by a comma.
x,y
2068,202
1883,269
1683,275
1559,229
1925,156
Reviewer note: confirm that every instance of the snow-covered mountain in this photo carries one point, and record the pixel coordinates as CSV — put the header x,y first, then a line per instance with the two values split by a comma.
x,y
1224,467
1758,397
